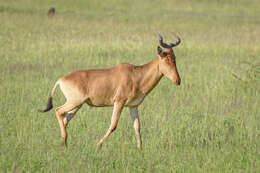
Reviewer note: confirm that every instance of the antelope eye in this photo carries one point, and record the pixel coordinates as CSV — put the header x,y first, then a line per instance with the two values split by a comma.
x,y
164,54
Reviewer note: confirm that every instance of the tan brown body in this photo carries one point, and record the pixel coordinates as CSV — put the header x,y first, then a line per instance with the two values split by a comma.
x,y
120,86
104,87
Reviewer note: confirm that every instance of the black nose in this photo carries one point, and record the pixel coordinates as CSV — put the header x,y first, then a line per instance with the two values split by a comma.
x,y
178,82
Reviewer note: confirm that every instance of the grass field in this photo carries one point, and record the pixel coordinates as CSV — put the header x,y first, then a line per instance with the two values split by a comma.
x,y
211,123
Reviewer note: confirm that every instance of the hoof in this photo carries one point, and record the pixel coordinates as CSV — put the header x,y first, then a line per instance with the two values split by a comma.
x,y
64,143
99,144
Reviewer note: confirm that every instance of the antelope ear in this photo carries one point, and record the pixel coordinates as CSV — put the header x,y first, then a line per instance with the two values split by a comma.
x,y
159,50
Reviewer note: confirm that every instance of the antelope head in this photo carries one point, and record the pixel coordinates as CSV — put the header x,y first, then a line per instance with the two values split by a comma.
x,y
167,59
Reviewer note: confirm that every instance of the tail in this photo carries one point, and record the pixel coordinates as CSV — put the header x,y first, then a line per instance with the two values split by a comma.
x,y
49,103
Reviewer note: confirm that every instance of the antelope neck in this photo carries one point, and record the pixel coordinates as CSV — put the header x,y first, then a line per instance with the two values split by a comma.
x,y
149,75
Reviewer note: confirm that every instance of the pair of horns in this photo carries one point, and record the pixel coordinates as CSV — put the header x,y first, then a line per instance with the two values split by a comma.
x,y
165,45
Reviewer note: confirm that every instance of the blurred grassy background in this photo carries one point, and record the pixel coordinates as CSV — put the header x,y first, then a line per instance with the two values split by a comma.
x,y
211,123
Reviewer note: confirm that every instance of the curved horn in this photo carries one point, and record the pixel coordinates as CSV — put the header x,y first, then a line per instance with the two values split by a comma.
x,y
164,45
177,42
170,45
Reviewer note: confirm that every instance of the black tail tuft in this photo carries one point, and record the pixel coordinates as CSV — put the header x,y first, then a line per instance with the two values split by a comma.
x,y
49,105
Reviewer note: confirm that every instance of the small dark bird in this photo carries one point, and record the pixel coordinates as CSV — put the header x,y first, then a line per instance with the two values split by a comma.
x,y
51,12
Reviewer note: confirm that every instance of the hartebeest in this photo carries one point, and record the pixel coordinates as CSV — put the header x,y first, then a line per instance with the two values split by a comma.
x,y
51,12
119,86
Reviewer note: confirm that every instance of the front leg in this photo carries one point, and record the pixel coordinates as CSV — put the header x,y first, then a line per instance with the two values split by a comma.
x,y
136,122
118,106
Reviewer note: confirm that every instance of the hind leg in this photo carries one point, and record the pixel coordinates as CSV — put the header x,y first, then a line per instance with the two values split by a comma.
x,y
70,115
60,112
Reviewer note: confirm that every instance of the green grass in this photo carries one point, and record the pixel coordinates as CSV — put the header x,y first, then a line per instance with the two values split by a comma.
x,y
211,123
